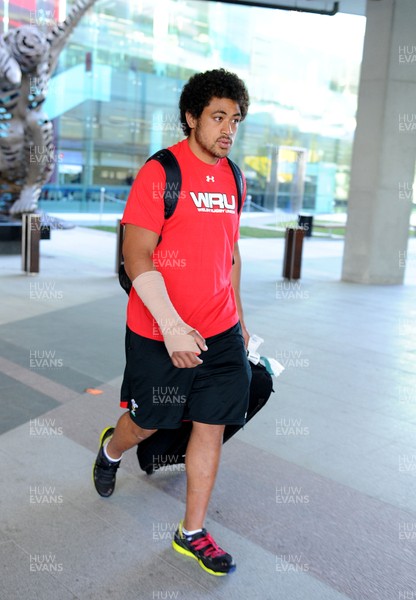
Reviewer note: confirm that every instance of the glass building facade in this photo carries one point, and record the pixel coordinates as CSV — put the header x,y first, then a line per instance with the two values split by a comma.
x,y
114,96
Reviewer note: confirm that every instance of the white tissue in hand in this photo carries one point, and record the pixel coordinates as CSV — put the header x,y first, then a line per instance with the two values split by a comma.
x,y
254,342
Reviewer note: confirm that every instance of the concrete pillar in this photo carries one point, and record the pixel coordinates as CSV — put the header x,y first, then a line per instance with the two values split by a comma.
x,y
384,153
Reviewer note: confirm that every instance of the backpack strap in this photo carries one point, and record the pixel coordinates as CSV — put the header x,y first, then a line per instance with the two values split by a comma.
x,y
238,176
170,199
173,179
172,191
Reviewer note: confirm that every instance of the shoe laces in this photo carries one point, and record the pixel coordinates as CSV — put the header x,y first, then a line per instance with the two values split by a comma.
x,y
208,545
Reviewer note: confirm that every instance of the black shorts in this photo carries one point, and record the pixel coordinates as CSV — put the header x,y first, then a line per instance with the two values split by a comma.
x,y
161,396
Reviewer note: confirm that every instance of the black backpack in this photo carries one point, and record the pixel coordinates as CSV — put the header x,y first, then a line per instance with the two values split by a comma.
x,y
171,195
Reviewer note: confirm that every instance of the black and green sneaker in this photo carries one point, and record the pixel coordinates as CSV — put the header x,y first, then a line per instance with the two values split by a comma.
x,y
104,472
205,550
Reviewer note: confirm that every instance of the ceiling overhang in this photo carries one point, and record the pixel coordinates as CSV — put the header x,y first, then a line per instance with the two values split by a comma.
x,y
319,7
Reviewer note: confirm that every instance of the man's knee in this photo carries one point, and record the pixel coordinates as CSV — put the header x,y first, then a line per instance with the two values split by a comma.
x,y
209,432
138,432
143,434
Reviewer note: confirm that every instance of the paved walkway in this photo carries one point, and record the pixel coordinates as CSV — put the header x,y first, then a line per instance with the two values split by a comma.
x,y
316,498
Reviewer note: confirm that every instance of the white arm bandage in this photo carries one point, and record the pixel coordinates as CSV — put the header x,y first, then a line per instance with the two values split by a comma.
x,y
151,289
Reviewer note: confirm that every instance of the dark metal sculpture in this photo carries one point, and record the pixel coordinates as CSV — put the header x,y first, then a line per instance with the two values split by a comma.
x,y
28,58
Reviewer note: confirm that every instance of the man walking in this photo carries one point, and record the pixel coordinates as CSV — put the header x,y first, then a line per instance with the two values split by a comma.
x,y
185,324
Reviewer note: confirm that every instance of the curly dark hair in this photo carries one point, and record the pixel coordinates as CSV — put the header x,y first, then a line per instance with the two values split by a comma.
x,y
202,87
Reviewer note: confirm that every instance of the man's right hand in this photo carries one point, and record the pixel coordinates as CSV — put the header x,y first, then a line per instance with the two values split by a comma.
x,y
185,359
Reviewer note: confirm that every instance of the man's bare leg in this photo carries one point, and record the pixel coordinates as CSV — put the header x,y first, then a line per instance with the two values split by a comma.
x,y
202,460
112,445
126,435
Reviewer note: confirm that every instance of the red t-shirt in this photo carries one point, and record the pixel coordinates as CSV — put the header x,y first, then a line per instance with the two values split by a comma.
x,y
196,252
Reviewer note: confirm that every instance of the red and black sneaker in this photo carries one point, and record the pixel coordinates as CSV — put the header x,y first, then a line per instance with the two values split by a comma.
x,y
204,549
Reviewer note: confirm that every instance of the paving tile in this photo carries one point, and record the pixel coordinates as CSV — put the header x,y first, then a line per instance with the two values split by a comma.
x,y
82,348
21,403
31,576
